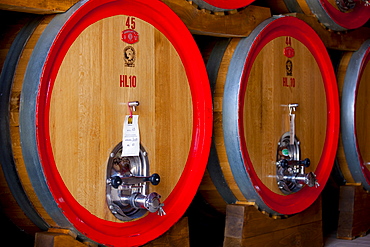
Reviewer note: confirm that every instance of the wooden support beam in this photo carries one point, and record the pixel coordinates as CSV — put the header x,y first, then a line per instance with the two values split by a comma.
x,y
354,213
246,226
37,7
59,238
222,24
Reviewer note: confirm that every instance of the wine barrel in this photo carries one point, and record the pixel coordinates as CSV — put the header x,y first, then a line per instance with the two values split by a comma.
x,y
14,29
71,109
276,118
222,5
353,152
336,15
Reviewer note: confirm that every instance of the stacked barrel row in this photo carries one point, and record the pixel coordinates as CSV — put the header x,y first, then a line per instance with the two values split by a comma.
x,y
255,79
69,80
66,87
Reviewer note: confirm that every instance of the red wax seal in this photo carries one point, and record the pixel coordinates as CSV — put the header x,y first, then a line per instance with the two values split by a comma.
x,y
289,52
130,36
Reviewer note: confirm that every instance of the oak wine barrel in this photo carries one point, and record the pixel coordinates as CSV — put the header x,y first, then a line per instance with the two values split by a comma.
x,y
79,79
276,118
14,30
338,15
353,152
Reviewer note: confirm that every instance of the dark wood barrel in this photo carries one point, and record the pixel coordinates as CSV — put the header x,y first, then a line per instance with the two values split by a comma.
x,y
353,153
78,76
15,29
336,15
257,82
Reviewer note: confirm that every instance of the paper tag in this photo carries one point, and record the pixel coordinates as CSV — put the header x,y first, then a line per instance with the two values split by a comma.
x,y
131,136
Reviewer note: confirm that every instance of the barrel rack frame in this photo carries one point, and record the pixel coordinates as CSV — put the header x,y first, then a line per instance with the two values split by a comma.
x,y
246,226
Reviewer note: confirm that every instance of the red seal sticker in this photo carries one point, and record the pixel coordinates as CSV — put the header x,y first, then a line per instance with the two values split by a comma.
x,y
289,52
130,36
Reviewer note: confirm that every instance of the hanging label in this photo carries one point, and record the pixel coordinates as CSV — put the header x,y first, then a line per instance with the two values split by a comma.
x,y
131,136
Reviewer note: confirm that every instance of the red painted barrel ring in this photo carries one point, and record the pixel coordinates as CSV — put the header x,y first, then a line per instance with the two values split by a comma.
x,y
34,119
233,103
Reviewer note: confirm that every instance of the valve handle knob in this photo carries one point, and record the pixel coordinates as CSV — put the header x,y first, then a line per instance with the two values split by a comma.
x,y
306,162
115,181
286,163
155,179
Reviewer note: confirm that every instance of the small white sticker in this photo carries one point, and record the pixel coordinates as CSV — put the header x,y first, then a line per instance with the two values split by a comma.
x,y
131,136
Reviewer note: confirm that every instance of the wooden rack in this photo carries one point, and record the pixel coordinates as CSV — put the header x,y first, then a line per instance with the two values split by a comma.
x,y
354,213
246,226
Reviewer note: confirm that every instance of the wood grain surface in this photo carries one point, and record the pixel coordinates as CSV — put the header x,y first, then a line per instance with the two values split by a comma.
x,y
266,114
88,106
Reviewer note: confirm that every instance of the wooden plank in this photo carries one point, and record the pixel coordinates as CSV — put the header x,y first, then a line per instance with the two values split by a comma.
x,y
235,24
303,235
57,238
246,226
354,215
37,7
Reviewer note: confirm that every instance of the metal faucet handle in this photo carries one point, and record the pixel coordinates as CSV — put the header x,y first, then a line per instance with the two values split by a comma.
x,y
153,203
311,180
161,212
116,181
290,163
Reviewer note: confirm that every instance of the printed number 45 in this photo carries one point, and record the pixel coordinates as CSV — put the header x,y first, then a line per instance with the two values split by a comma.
x,y
130,22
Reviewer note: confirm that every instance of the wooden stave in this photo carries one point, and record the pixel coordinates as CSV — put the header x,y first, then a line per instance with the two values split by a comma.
x,y
220,187
37,174
349,156
328,15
